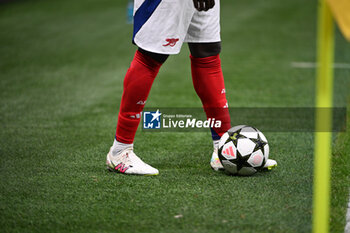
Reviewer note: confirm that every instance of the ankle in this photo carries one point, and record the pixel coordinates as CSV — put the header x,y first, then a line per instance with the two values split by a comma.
x,y
118,147
216,144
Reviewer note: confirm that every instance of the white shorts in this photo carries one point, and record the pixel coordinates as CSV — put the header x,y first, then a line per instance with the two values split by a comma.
x,y
162,26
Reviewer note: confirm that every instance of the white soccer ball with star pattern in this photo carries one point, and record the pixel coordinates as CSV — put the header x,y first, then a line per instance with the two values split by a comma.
x,y
243,150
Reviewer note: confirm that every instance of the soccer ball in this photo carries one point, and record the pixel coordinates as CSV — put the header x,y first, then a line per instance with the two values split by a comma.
x,y
243,150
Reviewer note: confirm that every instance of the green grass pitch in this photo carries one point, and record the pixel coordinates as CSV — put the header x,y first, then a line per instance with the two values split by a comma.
x,y
62,65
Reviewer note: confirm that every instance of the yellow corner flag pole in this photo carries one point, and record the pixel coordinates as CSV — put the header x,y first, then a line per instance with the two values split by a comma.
x,y
323,134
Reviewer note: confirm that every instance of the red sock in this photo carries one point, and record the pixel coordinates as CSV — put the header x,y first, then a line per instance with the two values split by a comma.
x,y
137,85
208,82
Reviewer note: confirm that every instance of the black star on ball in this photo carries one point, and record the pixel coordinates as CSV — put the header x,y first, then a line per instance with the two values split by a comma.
x,y
242,161
259,144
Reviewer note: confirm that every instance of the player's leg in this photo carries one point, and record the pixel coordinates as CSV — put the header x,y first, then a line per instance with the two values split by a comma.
x,y
209,84
208,81
157,33
203,37
160,58
201,50
137,85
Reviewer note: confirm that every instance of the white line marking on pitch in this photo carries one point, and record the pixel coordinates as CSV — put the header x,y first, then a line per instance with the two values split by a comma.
x,y
309,65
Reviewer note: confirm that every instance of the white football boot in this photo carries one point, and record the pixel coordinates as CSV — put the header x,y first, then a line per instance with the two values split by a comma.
x,y
270,164
128,163
216,164
215,161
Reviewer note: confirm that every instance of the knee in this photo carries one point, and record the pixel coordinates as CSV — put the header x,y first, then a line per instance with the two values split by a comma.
x,y
204,49
161,58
